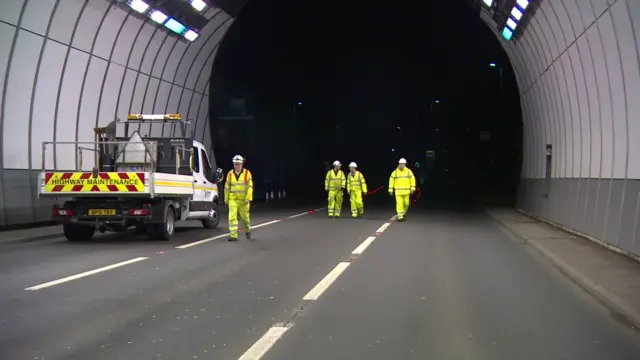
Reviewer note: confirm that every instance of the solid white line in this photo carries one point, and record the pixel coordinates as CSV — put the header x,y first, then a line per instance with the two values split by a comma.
x,y
202,241
221,236
304,213
86,273
383,227
394,218
260,347
324,284
266,224
298,215
362,247
227,234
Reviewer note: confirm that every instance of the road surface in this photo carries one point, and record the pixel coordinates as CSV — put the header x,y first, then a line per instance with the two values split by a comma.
x,y
442,285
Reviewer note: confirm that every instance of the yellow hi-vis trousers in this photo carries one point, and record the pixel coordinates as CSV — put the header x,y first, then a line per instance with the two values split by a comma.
x,y
357,205
238,208
335,203
402,205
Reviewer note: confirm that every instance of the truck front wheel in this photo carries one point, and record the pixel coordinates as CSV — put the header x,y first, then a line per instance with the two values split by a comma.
x,y
78,232
212,221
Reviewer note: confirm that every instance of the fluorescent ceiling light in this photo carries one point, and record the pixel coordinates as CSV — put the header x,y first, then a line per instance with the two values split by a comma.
x,y
517,14
158,16
523,3
488,2
507,34
198,4
139,6
190,35
175,26
512,24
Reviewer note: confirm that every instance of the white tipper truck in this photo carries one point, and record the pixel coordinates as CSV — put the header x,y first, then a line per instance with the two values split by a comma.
x,y
132,181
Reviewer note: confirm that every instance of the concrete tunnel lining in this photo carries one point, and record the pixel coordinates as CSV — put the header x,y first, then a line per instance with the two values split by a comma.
x,y
577,69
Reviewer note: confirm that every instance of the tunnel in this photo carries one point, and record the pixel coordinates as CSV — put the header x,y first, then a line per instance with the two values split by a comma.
x,y
555,277
72,65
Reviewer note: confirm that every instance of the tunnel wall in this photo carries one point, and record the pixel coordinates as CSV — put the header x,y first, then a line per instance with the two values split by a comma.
x,y
578,71
70,65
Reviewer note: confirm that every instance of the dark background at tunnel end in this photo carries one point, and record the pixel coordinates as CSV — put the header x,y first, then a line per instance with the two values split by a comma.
x,y
360,73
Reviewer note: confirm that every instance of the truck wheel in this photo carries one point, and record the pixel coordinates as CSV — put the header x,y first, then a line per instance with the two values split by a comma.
x,y
213,220
78,232
164,230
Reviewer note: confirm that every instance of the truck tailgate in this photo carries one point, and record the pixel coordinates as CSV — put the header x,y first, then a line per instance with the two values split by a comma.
x,y
107,183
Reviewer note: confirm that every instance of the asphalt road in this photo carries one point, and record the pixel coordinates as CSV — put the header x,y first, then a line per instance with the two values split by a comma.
x,y
442,285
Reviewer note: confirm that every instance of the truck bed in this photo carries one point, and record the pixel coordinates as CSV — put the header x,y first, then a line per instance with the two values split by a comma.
x,y
149,184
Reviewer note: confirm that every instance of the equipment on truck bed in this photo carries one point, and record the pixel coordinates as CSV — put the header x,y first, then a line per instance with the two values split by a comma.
x,y
133,180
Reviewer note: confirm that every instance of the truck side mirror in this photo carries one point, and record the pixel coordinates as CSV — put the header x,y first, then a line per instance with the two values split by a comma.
x,y
219,175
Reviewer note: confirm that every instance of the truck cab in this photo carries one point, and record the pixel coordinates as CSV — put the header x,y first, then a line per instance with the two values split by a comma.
x,y
205,181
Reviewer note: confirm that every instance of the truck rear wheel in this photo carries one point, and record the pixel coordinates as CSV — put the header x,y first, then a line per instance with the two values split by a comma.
x,y
164,230
212,221
78,232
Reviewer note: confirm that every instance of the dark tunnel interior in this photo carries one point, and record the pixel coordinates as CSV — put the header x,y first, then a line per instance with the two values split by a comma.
x,y
292,94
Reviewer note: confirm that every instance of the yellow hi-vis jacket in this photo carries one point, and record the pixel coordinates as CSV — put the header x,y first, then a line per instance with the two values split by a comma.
x,y
238,187
335,181
356,183
402,181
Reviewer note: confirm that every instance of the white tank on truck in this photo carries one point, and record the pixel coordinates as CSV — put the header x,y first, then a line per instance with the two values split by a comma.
x,y
131,181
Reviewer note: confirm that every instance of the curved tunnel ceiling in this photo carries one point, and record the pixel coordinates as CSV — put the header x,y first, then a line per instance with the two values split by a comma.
x,y
69,65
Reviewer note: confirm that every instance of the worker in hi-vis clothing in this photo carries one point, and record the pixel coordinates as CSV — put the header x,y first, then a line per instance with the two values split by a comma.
x,y
403,184
357,189
238,195
334,184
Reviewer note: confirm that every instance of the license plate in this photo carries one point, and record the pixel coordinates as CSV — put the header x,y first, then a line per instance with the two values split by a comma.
x,y
102,212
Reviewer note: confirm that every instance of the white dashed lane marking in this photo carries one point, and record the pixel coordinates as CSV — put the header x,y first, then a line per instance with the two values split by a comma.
x,y
324,284
84,274
382,228
260,347
363,246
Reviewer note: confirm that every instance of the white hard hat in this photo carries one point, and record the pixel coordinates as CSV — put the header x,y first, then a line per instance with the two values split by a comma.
x,y
337,163
238,159
402,161
353,165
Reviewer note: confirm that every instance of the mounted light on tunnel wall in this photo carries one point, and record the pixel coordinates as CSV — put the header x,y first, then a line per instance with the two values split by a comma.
x,y
158,16
516,13
513,18
139,6
191,35
507,34
523,4
175,26
198,4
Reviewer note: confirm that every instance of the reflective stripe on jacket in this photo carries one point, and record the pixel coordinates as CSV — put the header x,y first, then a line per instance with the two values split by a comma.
x,y
335,181
238,187
356,182
402,181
